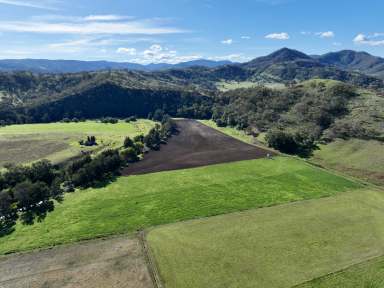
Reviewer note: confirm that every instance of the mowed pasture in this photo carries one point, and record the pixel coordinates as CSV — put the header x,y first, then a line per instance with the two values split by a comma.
x,y
276,247
368,274
117,262
59,141
137,202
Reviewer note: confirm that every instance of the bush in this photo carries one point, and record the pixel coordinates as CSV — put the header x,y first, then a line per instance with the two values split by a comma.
x,y
90,141
130,155
299,143
128,142
109,120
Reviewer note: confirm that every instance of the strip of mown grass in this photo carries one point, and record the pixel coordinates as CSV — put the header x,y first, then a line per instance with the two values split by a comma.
x,y
136,202
275,247
369,274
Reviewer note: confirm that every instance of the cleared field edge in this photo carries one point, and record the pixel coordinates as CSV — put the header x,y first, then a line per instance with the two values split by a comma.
x,y
340,271
307,161
240,139
66,244
153,267
310,162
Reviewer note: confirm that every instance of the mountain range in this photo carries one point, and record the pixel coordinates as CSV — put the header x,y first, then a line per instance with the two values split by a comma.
x,y
348,60
285,66
75,66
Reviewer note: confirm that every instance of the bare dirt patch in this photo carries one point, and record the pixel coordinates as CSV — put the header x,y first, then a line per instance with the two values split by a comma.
x,y
20,150
196,145
116,262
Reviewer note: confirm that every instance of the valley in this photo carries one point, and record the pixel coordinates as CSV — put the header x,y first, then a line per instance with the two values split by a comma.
x,y
267,173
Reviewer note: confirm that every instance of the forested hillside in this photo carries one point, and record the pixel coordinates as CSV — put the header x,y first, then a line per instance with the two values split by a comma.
x,y
297,116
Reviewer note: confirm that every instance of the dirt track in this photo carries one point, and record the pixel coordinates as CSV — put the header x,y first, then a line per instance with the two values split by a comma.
x,y
196,145
114,263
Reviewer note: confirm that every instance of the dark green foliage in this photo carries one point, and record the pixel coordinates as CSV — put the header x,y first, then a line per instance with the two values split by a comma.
x,y
27,192
153,139
128,142
8,213
168,127
33,200
291,143
102,167
259,107
139,138
109,120
130,155
158,115
90,141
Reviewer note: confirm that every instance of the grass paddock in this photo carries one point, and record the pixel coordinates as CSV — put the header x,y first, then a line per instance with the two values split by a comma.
x,y
137,202
275,247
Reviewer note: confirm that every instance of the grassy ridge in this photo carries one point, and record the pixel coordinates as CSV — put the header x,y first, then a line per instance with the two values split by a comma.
x,y
137,202
359,158
275,247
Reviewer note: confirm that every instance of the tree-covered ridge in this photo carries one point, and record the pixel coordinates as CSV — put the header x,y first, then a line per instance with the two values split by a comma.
x,y
284,66
297,118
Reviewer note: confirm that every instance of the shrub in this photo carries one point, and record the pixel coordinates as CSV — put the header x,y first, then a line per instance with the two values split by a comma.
x,y
130,155
128,142
297,142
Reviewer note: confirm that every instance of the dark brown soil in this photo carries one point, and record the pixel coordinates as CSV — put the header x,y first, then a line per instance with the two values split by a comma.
x,y
196,145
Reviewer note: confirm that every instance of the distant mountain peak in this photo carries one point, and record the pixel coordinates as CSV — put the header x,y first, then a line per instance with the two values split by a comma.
x,y
279,56
287,54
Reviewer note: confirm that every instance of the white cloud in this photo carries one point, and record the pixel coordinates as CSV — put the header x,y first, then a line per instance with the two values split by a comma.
x,y
245,37
82,26
231,57
40,4
362,39
337,44
278,36
110,17
129,51
159,54
327,34
227,41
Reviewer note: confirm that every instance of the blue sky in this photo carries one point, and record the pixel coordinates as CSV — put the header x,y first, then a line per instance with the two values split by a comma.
x,y
146,31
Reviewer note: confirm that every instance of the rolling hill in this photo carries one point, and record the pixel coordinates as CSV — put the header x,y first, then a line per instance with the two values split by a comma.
x,y
355,61
74,66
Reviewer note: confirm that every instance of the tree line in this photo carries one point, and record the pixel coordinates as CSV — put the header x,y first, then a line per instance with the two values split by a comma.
x,y
28,193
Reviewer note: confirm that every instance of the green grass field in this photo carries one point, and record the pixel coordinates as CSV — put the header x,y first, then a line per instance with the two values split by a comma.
x,y
235,133
59,141
369,274
136,202
274,247
359,158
